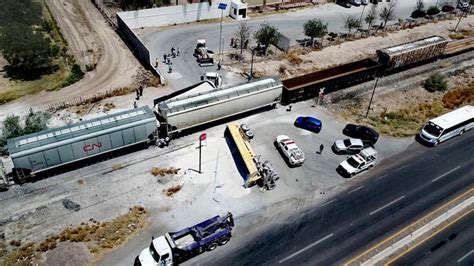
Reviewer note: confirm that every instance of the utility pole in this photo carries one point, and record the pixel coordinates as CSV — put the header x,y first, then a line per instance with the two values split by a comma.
x,y
202,137
251,65
361,15
460,17
372,97
222,7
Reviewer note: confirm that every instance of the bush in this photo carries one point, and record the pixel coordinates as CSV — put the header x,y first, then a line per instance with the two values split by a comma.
x,y
418,14
433,10
435,83
75,75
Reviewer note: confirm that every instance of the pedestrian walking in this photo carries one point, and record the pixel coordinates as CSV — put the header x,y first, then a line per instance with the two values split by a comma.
x,y
164,58
168,59
156,62
141,90
219,65
178,51
321,148
173,52
170,68
135,105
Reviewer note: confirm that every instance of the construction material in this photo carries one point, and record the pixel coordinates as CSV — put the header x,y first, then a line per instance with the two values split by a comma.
x,y
176,247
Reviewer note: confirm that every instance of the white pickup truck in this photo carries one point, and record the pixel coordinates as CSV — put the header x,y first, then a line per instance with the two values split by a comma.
x,y
366,159
293,154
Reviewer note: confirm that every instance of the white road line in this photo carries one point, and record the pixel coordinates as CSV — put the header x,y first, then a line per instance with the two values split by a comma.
x,y
465,256
386,205
401,167
355,189
445,174
329,202
306,248
380,177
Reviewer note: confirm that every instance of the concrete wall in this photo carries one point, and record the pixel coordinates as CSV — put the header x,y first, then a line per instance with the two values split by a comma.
x,y
164,16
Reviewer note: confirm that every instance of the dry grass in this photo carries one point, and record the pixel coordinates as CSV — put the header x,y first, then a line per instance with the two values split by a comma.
x,y
456,36
108,106
293,57
96,235
117,167
158,171
408,121
169,192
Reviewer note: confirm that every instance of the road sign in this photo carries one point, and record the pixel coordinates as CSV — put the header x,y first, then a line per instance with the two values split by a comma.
x,y
203,137
222,6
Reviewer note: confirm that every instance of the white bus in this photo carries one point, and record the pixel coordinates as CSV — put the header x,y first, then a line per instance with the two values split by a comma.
x,y
448,125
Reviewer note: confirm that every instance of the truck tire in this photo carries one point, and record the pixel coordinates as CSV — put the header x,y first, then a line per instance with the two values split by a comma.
x,y
244,127
249,134
212,246
223,241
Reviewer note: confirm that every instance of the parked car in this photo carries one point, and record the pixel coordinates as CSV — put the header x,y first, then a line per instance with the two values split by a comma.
x,y
309,123
355,2
364,133
464,5
364,2
348,146
343,3
366,159
292,153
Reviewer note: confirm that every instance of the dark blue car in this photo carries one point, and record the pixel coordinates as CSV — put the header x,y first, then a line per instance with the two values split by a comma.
x,y
309,123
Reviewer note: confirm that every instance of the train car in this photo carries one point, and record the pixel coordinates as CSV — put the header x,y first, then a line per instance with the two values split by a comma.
x,y
38,152
407,54
185,112
331,79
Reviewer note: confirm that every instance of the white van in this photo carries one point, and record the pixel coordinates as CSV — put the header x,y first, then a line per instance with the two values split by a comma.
x,y
448,125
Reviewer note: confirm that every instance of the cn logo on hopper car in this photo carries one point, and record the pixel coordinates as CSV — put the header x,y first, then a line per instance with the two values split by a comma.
x,y
90,147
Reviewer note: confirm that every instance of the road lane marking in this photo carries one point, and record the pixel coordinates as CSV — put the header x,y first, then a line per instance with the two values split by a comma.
x,y
386,205
401,167
465,256
380,177
389,238
445,174
306,248
329,202
428,238
355,189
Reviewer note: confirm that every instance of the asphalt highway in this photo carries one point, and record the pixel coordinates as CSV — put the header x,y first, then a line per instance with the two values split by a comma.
x,y
452,246
398,192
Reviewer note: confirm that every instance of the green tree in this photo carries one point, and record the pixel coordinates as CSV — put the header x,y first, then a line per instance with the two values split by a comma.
x,y
433,10
315,28
351,23
267,35
27,51
388,13
371,17
35,122
243,35
436,82
26,12
11,127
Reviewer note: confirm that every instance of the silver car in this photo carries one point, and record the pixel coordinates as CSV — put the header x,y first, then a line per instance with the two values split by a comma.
x,y
348,146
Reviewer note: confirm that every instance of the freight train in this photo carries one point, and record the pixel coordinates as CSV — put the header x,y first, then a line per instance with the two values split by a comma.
x,y
201,104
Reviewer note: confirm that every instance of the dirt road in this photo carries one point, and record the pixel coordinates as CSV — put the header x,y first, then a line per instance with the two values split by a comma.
x,y
91,40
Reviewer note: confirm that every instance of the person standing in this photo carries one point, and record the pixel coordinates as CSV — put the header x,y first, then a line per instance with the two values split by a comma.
x,y
178,51
321,148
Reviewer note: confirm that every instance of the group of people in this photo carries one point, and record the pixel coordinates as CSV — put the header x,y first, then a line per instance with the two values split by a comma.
x,y
139,93
167,58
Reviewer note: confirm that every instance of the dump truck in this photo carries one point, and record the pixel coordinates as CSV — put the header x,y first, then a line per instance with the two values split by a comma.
x,y
176,247
204,56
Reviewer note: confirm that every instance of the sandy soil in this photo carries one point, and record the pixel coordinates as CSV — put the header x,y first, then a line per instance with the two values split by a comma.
x,y
90,38
348,51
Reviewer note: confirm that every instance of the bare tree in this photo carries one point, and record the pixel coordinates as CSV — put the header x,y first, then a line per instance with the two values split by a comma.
x,y
351,23
243,35
420,5
388,13
371,17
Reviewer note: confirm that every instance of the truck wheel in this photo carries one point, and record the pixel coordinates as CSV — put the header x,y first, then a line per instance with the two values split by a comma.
x,y
212,246
224,241
245,127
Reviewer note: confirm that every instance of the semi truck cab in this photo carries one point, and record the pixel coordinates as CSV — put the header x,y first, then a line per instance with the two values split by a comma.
x,y
158,253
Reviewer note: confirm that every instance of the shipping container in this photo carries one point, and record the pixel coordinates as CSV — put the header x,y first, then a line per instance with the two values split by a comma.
x,y
55,147
185,112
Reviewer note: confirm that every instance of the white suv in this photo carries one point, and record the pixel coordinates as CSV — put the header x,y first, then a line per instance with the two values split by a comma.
x,y
293,154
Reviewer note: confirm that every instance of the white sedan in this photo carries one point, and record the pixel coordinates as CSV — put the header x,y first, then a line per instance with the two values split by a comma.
x,y
348,146
293,154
